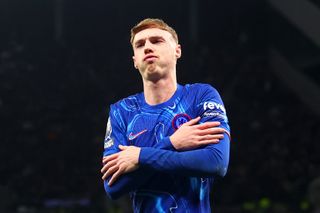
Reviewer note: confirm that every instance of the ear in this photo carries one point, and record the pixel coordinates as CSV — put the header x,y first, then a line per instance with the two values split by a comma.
x,y
178,51
134,62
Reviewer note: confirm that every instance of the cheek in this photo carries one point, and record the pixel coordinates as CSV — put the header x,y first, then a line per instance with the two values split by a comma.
x,y
137,58
170,55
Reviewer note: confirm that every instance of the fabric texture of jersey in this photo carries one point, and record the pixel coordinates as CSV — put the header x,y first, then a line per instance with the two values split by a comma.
x,y
168,180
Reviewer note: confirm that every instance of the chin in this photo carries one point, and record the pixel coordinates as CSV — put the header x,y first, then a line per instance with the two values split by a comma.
x,y
152,73
153,76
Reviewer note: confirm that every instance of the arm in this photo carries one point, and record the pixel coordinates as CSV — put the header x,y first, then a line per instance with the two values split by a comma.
x,y
209,161
115,136
211,109
195,162
135,176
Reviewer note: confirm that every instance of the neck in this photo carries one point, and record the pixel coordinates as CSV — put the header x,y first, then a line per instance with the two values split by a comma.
x,y
157,92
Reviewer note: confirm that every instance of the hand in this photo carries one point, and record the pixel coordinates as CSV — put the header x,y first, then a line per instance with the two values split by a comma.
x,y
191,135
120,163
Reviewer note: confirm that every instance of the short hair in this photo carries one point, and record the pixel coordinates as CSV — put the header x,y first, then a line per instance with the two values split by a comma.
x,y
152,23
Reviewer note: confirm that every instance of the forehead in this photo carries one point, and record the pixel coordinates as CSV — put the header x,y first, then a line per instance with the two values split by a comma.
x,y
151,32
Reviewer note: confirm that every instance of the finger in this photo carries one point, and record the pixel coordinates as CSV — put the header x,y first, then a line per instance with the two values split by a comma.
x,y
211,137
108,165
110,172
207,142
109,158
115,177
111,163
104,177
103,160
210,124
121,147
216,130
103,169
217,136
211,131
192,121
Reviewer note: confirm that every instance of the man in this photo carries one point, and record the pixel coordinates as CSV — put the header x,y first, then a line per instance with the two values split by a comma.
x,y
165,146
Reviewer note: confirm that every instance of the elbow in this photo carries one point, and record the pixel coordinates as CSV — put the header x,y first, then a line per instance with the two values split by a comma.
x,y
220,167
221,158
221,171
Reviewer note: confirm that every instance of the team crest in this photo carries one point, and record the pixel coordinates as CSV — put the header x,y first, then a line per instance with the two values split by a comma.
x,y
180,119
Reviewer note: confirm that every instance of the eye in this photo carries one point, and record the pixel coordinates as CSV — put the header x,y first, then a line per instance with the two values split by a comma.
x,y
139,45
156,41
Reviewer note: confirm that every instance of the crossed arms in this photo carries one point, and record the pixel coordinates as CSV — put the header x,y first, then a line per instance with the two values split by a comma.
x,y
193,150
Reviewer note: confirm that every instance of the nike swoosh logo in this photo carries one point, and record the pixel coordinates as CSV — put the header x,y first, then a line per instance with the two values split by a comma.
x,y
173,106
134,136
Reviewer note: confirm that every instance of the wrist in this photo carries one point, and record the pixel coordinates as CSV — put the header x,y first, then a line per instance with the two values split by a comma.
x,y
174,142
138,152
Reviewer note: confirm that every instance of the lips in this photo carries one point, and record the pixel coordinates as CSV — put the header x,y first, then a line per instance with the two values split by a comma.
x,y
149,57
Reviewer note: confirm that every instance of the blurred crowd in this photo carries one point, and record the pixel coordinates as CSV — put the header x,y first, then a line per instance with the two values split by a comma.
x,y
54,98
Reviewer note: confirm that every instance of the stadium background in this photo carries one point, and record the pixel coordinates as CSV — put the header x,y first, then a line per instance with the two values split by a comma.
x,y
62,62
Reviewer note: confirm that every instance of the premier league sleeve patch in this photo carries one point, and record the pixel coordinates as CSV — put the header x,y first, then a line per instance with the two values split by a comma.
x,y
108,141
180,119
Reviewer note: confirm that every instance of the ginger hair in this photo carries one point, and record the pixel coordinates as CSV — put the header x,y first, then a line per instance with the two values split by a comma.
x,y
152,23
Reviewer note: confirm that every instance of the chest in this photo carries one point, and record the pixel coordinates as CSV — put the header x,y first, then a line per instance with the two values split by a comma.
x,y
144,129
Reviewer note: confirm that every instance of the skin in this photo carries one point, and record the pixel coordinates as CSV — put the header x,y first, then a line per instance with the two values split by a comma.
x,y
158,72
155,56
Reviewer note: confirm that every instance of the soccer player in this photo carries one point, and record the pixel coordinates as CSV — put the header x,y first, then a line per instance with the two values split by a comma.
x,y
166,145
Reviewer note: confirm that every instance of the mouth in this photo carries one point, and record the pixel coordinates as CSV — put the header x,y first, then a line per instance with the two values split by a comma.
x,y
150,58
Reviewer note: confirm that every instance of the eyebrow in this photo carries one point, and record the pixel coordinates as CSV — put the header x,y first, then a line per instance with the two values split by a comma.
x,y
150,38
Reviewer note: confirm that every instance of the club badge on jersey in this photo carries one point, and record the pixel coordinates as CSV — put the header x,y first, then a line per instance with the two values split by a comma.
x,y
180,119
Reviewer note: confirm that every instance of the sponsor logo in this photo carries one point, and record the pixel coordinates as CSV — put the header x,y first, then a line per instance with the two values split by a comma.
x,y
134,136
211,114
213,106
180,119
214,114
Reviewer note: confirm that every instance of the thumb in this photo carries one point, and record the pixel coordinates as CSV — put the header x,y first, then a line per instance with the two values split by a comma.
x,y
193,121
121,147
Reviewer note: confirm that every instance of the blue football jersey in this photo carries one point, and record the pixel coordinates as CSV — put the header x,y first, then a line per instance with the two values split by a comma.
x,y
168,180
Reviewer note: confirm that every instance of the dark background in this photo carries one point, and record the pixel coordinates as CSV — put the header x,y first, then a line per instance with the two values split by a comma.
x,y
63,62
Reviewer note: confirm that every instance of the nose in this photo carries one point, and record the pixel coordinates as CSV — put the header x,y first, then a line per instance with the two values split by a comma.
x,y
148,47
147,50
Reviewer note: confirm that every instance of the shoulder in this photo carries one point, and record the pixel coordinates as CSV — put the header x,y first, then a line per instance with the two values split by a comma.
x,y
201,88
130,103
121,111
